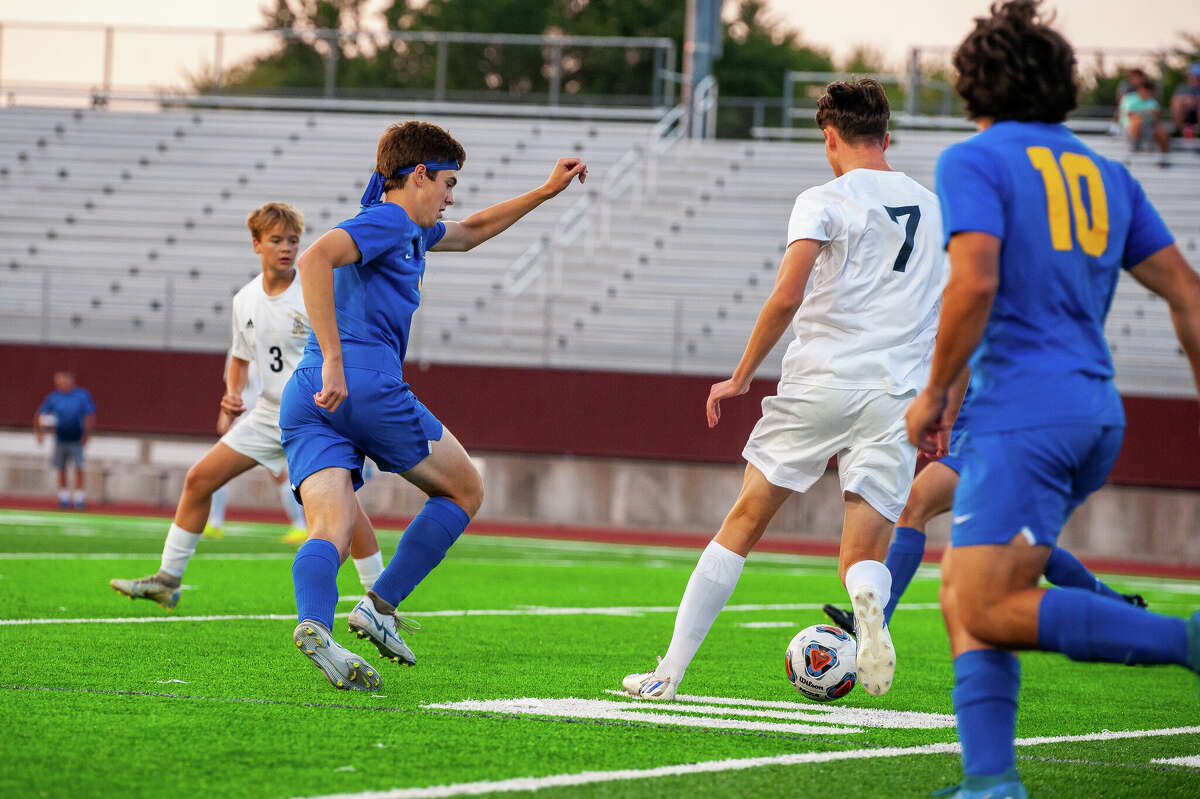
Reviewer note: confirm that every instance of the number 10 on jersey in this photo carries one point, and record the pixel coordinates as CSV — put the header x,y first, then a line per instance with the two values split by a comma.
x,y
1090,229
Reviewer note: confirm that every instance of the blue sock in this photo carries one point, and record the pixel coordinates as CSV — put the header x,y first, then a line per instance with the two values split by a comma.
x,y
1086,626
425,542
1064,570
903,558
314,575
985,701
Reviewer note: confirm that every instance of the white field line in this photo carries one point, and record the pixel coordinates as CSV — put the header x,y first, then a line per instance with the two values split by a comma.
x,y
711,766
534,610
1191,761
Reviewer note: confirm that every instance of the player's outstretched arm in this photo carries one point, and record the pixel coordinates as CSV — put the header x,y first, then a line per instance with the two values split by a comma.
x,y
1168,275
773,319
966,305
493,220
315,268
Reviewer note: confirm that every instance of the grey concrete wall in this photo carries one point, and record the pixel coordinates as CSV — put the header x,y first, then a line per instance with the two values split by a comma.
x,y
1117,522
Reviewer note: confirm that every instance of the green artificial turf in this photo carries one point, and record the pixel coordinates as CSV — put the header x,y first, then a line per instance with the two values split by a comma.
x,y
228,707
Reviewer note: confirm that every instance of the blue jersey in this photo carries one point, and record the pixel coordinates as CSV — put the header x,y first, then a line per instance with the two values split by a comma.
x,y
69,409
1069,220
375,297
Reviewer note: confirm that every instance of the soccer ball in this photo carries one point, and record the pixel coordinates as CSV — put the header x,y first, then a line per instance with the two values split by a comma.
x,y
821,662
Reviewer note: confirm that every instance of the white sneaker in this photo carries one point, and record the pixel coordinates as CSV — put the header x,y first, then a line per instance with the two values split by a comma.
x,y
343,668
649,685
380,629
876,655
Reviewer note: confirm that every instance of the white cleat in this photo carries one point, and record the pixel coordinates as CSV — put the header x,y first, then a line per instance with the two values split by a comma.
x,y
649,685
876,655
344,669
380,629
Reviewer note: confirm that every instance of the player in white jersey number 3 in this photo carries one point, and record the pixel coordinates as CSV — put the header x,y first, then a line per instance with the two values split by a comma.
x,y
867,246
270,328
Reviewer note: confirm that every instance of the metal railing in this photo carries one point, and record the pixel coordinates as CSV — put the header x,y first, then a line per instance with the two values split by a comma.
x,y
29,47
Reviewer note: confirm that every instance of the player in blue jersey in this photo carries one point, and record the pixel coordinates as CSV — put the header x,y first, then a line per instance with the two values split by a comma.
x,y
70,411
931,495
348,397
1038,227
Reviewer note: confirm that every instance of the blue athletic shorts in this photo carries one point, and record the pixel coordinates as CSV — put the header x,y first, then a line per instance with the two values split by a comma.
x,y
67,452
380,418
1029,481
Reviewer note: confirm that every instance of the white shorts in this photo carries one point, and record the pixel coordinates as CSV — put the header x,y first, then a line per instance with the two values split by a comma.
x,y
803,426
256,435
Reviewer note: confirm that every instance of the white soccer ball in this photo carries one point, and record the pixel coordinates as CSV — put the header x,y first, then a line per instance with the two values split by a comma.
x,y
822,662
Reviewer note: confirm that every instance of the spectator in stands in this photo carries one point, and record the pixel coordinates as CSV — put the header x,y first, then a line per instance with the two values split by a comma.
x,y
70,411
1185,104
1139,114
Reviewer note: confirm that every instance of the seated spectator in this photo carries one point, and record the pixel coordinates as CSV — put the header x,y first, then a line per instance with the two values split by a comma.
x,y
1139,115
1185,105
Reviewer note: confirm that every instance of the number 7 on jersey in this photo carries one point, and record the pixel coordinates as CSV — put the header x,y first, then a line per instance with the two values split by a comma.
x,y
913,212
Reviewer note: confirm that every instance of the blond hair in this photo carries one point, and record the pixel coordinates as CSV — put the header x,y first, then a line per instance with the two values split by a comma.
x,y
270,215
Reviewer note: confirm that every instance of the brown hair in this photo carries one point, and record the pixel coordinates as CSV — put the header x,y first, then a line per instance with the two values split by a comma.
x,y
1014,66
270,215
856,109
414,142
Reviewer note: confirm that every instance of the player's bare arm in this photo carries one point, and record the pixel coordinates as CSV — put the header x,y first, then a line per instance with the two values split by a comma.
x,y
950,415
235,383
315,267
966,306
493,220
777,312
1168,275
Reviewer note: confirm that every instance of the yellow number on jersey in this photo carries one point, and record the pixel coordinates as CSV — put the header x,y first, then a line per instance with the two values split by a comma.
x,y
1092,232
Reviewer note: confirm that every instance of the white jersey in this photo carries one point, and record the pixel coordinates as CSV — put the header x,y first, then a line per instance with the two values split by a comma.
x,y
870,311
270,332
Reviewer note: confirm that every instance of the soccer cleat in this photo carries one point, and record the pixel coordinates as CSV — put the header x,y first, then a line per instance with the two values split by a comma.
x,y
380,628
344,669
1134,599
842,618
648,685
1002,786
213,533
876,655
295,536
152,587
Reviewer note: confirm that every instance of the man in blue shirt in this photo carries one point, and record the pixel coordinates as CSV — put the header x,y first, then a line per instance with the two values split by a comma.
x,y
70,410
1038,227
348,397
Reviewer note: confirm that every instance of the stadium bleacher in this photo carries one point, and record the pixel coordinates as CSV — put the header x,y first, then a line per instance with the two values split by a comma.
x,y
127,229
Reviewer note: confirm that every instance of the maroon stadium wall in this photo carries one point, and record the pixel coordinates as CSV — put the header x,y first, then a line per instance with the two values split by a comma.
x,y
507,409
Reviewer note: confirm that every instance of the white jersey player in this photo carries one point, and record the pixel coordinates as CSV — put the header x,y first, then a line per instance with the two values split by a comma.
x,y
270,328
867,245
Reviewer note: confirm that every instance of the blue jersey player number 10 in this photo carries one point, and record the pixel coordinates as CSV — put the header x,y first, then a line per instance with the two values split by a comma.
x,y
1091,229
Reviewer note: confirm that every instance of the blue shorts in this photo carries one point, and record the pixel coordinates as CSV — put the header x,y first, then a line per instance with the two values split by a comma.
x,y
1029,481
380,418
953,461
67,452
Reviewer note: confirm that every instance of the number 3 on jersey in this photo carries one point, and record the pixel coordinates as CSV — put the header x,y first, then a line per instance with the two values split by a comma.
x,y
277,359
1090,229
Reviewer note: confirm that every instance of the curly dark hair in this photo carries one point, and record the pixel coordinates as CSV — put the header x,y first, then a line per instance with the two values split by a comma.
x,y
414,142
1014,66
856,109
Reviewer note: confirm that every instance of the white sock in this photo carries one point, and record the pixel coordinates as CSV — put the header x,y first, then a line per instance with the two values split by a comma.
x,y
220,501
291,507
369,569
707,591
870,573
178,550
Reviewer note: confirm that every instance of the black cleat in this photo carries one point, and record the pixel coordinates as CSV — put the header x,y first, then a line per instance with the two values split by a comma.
x,y
842,618
1134,599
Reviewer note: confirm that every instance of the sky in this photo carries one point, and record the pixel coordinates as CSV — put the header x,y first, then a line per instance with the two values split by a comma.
x,y
889,26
